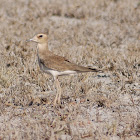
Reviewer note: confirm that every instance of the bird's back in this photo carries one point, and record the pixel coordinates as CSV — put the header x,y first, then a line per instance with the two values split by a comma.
x,y
49,61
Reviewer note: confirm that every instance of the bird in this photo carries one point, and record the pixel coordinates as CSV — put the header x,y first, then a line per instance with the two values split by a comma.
x,y
55,65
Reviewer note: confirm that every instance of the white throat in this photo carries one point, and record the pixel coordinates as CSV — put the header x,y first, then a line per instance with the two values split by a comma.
x,y
42,47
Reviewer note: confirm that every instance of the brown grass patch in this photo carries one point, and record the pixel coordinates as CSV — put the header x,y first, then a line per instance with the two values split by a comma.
x,y
102,34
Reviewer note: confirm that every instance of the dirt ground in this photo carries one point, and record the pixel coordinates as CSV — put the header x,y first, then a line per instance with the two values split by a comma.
x,y
103,34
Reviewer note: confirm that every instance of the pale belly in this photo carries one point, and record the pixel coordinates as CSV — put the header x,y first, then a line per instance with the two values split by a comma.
x,y
59,73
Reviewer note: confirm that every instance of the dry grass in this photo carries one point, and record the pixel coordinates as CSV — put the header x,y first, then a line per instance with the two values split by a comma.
x,y
104,34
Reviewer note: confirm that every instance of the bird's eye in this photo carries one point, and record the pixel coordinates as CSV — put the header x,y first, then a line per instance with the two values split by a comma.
x,y
41,36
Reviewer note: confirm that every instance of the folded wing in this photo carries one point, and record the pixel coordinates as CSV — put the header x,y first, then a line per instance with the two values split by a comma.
x,y
59,63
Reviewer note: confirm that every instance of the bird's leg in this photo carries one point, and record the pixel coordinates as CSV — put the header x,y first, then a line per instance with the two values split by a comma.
x,y
55,100
58,90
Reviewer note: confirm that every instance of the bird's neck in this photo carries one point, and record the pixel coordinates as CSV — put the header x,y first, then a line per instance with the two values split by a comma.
x,y
42,47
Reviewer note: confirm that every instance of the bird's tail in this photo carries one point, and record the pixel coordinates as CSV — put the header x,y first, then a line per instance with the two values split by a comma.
x,y
86,69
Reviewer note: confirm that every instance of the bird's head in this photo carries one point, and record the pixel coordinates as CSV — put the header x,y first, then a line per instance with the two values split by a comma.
x,y
39,38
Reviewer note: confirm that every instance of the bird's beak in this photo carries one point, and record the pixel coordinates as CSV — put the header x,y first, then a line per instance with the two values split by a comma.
x,y
29,40
32,39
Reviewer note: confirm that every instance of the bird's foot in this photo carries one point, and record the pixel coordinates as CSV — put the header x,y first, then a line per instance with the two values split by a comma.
x,y
57,100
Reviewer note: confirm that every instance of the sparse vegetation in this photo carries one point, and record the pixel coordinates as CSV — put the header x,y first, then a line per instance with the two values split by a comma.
x,y
103,34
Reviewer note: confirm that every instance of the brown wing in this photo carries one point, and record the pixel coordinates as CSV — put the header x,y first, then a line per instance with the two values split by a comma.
x,y
59,63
